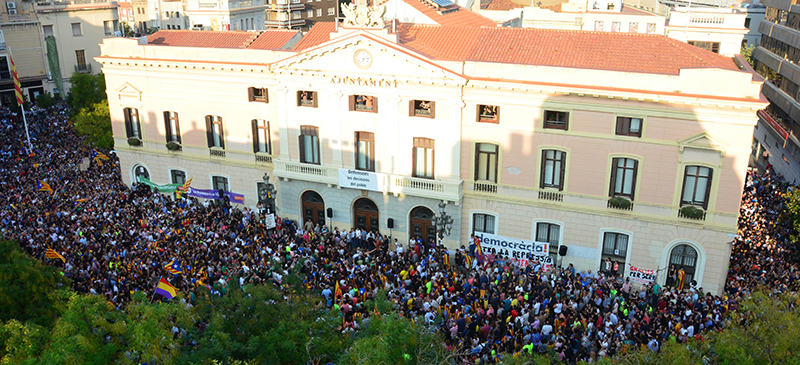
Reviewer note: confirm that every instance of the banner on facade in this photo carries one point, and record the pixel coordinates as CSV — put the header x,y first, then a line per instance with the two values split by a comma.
x,y
357,179
269,221
642,276
520,251
214,194
168,188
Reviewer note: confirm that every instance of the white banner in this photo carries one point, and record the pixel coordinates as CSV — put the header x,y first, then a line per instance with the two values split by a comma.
x,y
357,179
640,275
269,221
520,251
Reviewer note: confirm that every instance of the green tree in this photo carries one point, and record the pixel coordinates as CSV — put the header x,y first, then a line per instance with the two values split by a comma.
x,y
45,100
85,91
26,286
94,122
126,29
747,53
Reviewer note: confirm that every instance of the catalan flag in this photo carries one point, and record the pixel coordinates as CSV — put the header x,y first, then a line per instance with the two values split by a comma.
x,y
166,290
174,267
52,254
184,189
17,86
338,292
98,157
43,186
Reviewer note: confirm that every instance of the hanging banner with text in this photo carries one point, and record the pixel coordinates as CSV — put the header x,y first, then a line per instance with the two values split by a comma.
x,y
357,179
642,276
214,194
520,251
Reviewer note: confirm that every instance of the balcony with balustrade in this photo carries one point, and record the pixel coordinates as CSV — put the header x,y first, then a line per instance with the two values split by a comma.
x,y
69,5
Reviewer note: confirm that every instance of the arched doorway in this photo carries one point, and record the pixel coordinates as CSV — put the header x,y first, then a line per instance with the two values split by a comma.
x,y
139,170
366,215
684,256
313,208
422,224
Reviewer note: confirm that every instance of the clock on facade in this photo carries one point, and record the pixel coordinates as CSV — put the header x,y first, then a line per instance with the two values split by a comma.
x,y
363,59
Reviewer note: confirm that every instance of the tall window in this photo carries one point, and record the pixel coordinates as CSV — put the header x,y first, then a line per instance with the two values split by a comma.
x,y
309,144
488,113
365,151
553,169
483,223
5,69
172,126
141,171
696,186
220,183
258,94
550,233
556,120
80,59
177,176
363,103
684,257
261,140
708,46
423,158
76,30
629,127
132,126
486,162
623,177
214,131
615,249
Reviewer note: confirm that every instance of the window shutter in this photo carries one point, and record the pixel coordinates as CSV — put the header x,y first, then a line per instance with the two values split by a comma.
x,y
374,104
708,188
254,125
620,126
371,151
221,133
563,170
414,160
209,132
128,127
250,93
633,182
477,160
302,148
613,182
411,108
167,128
265,95
542,169
497,114
315,98
351,102
299,92
177,131
433,109
478,113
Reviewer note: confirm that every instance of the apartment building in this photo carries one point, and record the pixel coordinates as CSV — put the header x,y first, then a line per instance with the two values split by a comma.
x,y
637,159
226,15
77,28
21,36
714,29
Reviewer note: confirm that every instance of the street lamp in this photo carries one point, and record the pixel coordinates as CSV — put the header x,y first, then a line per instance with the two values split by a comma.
x,y
266,194
444,222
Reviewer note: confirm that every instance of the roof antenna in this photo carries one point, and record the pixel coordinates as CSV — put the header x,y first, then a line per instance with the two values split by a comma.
x,y
394,25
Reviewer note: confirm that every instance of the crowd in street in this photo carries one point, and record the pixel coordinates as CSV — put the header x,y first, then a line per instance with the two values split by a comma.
x,y
117,239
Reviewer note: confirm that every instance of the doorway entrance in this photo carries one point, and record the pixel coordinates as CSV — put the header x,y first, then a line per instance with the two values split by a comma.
x,y
366,215
313,208
422,224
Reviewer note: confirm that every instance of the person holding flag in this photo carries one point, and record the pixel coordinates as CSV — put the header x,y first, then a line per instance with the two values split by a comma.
x,y
183,189
53,254
43,186
174,267
165,289
98,157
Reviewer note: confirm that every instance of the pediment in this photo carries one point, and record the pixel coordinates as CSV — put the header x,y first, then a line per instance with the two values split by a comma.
x,y
703,141
366,57
129,95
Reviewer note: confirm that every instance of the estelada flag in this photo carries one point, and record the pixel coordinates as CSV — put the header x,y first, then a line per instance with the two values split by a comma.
x,y
43,186
98,157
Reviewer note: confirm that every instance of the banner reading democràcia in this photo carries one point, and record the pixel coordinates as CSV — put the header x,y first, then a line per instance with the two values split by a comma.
x,y
214,194
640,275
520,251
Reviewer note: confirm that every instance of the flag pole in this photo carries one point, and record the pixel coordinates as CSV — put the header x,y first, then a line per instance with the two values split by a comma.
x,y
18,91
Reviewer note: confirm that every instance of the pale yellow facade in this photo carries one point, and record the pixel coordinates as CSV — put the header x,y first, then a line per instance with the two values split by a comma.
x,y
21,37
701,119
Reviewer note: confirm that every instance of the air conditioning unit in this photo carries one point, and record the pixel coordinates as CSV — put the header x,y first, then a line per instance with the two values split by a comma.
x,y
12,11
11,5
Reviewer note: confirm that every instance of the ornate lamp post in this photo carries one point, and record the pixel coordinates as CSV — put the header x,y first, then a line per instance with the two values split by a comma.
x,y
444,222
266,194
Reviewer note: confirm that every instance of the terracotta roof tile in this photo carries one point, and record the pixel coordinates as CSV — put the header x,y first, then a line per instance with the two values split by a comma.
x,y
199,38
273,39
319,33
502,5
627,52
459,17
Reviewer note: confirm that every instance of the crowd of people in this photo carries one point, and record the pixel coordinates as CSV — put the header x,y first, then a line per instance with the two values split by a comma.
x,y
116,240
